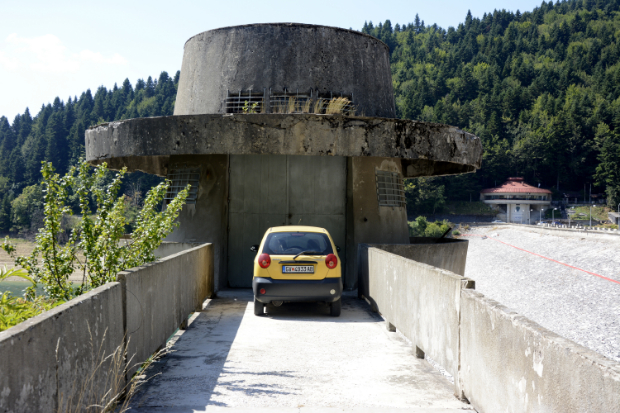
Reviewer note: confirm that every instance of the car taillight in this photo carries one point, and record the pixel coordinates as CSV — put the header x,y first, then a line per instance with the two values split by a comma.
x,y
264,260
331,261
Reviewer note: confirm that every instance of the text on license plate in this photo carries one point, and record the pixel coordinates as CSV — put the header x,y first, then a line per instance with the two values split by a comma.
x,y
298,269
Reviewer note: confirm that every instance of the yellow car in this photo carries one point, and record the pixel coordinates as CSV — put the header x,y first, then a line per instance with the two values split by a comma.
x,y
297,263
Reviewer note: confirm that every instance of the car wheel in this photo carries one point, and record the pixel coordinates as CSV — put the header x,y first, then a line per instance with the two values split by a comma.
x,y
335,308
259,308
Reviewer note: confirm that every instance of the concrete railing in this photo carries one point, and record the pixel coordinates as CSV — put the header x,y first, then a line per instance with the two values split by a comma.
x,y
445,253
45,360
157,300
500,361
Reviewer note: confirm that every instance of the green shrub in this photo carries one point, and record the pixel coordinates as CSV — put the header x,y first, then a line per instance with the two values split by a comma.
x,y
96,237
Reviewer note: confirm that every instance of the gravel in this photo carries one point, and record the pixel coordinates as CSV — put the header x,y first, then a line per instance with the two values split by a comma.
x,y
577,305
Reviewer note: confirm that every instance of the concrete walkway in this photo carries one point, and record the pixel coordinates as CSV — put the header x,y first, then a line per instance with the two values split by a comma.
x,y
294,359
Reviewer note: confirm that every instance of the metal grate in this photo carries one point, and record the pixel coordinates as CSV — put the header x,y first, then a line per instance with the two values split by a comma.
x,y
390,189
245,102
179,178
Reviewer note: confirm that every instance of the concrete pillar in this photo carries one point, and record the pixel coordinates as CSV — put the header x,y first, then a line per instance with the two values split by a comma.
x,y
207,219
367,222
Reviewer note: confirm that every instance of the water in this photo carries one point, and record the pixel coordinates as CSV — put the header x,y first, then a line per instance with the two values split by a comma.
x,y
16,288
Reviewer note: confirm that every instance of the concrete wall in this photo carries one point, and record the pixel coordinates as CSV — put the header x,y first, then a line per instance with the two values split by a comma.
x,y
446,254
284,55
206,221
511,364
168,248
44,360
183,281
422,301
367,222
501,361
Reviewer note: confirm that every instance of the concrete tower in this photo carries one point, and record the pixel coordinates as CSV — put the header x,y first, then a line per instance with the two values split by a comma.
x,y
251,132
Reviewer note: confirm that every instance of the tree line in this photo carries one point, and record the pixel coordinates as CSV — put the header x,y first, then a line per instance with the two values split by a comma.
x,y
540,88
56,134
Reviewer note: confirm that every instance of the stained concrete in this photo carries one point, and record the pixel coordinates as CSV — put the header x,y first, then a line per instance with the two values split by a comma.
x,y
43,360
511,364
206,221
443,253
159,296
278,56
295,358
424,148
367,222
421,301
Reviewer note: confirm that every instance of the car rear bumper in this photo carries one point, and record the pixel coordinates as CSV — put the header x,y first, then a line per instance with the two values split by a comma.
x,y
297,290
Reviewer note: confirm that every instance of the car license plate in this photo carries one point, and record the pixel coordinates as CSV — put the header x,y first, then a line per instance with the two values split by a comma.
x,y
298,269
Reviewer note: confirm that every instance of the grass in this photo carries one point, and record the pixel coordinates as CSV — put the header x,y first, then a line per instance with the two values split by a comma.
x,y
105,389
335,106
583,213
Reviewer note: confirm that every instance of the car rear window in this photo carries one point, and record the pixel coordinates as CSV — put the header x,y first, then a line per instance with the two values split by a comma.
x,y
291,243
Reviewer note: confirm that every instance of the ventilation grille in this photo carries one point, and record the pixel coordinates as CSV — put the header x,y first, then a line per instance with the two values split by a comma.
x,y
245,102
390,189
179,178
286,101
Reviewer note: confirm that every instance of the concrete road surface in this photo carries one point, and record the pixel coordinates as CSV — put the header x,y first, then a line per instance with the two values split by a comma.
x,y
296,358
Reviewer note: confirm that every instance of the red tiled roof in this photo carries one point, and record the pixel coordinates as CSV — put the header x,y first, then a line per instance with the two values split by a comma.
x,y
515,185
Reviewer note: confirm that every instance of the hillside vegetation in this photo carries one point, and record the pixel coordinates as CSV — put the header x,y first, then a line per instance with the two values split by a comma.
x,y
56,134
541,88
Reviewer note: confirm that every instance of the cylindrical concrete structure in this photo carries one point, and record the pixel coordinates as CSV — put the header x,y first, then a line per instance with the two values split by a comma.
x,y
285,57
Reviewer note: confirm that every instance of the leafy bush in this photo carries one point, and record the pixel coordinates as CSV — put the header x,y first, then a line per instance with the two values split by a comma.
x,y
97,236
14,310
422,228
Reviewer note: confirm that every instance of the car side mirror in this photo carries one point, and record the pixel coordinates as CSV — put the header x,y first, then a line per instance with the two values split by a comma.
x,y
337,248
254,248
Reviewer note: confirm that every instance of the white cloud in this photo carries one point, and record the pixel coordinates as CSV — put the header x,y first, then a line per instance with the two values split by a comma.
x,y
47,54
9,63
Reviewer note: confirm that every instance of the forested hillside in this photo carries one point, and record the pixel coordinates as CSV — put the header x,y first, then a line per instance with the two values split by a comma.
x,y
540,88
56,134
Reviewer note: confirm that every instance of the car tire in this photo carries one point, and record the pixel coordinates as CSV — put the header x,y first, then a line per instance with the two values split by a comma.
x,y
335,308
259,308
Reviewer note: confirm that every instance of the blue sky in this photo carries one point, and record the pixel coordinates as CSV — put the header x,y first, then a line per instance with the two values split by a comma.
x,y
61,48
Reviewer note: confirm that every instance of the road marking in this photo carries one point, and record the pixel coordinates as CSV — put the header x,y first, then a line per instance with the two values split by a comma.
x,y
542,256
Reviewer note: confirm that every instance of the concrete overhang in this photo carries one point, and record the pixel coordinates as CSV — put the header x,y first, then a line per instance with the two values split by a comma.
x,y
426,149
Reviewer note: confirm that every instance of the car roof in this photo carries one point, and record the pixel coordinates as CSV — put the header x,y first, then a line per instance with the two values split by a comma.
x,y
297,228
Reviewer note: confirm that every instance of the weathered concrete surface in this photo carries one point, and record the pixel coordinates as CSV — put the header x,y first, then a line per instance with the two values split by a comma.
x,y
206,221
367,222
275,56
158,298
511,364
446,253
296,358
421,301
426,148
168,248
44,360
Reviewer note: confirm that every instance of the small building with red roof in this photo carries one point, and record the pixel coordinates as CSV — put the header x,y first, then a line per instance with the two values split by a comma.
x,y
517,201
